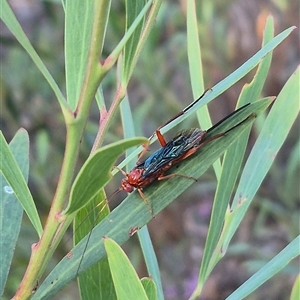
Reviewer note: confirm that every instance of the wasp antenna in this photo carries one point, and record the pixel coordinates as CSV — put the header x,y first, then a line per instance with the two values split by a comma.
x,y
108,199
95,221
101,203
117,191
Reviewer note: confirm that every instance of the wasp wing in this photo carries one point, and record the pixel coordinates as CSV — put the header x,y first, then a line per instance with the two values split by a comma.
x,y
178,146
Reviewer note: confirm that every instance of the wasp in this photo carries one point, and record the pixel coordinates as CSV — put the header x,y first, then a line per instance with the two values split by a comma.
x,y
182,146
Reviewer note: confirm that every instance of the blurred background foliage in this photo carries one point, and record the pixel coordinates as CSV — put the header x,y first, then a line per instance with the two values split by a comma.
x,y
230,32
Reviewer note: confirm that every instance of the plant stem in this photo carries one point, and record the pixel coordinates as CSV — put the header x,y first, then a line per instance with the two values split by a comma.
x,y
55,226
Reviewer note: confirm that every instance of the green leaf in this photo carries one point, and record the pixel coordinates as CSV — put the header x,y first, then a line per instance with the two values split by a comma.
x,y
13,175
232,162
133,8
149,287
136,48
96,172
296,289
290,252
196,70
270,140
195,62
11,211
134,213
116,52
78,31
126,280
252,91
12,23
151,261
96,280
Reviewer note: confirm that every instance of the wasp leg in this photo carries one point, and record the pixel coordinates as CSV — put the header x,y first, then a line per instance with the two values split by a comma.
x,y
146,147
123,172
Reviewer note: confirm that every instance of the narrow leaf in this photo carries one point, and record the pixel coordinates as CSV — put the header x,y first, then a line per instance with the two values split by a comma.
x,y
290,252
270,140
133,8
195,62
196,70
13,175
96,280
295,295
11,211
80,19
150,288
78,29
116,52
126,280
232,162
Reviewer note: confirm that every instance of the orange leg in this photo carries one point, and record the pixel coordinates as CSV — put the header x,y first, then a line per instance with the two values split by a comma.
x,y
160,137
123,172
146,146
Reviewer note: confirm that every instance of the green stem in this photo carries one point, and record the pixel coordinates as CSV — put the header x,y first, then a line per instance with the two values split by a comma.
x,y
56,225
54,228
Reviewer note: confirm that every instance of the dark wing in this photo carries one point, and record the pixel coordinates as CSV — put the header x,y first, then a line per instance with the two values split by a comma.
x,y
178,146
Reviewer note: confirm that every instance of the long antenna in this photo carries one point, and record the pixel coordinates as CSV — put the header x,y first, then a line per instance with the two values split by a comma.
x,y
95,221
